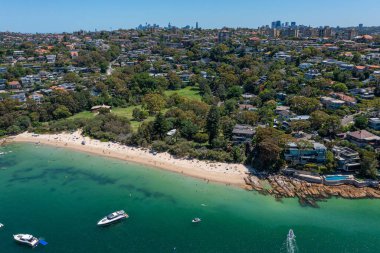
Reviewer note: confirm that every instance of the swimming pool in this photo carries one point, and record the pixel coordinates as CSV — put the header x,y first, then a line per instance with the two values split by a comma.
x,y
336,178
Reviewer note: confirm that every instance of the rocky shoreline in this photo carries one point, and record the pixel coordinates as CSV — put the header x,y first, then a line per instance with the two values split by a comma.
x,y
307,193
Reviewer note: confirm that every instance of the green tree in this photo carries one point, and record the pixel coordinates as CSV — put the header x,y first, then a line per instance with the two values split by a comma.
x,y
61,112
161,126
188,129
154,103
269,144
340,87
212,123
304,105
369,164
139,115
175,82
227,125
361,122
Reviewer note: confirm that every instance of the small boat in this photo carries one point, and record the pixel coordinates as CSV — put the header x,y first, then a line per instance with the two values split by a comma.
x,y
196,220
291,235
1,225
113,217
26,239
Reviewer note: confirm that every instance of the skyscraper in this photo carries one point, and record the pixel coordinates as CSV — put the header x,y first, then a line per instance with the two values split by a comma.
x,y
196,26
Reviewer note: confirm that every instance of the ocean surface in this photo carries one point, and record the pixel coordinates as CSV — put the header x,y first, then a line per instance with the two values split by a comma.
x,y
59,195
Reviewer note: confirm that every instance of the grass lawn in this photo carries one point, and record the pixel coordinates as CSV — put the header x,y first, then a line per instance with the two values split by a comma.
x,y
189,92
119,111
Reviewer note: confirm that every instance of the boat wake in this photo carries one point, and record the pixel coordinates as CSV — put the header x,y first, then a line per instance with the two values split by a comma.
x,y
290,244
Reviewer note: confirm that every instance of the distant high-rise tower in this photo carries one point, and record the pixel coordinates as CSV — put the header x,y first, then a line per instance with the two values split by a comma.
x,y
278,24
196,26
293,24
360,26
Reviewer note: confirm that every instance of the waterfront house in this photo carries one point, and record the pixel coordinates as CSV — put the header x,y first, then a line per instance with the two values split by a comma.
x,y
363,138
305,152
242,134
374,123
347,159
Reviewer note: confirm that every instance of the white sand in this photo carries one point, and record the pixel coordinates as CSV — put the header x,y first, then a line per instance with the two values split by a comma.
x,y
216,172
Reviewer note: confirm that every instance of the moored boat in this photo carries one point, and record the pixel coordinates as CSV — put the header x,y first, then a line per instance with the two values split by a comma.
x,y
26,239
112,218
196,220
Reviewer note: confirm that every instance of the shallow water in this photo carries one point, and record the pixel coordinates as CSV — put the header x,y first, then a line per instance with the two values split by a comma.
x,y
59,194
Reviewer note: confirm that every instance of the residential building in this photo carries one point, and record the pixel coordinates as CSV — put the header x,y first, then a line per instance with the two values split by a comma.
x,y
37,97
347,159
247,107
14,85
282,56
332,103
51,58
242,134
223,36
374,123
312,74
302,154
20,97
363,138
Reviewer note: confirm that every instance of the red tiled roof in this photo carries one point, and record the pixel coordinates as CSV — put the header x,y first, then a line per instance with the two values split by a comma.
x,y
367,37
360,67
344,97
362,135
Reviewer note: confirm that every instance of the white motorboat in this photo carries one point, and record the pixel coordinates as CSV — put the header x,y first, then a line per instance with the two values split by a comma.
x,y
291,235
26,239
113,217
1,225
196,220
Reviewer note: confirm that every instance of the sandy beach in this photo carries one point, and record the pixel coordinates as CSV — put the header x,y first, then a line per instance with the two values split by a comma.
x,y
230,174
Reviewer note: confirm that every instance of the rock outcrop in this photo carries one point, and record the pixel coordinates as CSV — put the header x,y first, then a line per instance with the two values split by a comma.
x,y
308,193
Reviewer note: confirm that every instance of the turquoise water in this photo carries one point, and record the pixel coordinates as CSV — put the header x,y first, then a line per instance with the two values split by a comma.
x,y
59,195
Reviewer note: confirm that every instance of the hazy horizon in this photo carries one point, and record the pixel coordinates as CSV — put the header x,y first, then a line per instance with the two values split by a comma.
x,y
42,16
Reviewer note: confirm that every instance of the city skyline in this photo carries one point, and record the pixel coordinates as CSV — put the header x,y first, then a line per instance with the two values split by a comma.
x,y
46,16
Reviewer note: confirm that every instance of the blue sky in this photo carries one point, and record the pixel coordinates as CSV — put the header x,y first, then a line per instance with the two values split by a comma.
x,y
70,15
